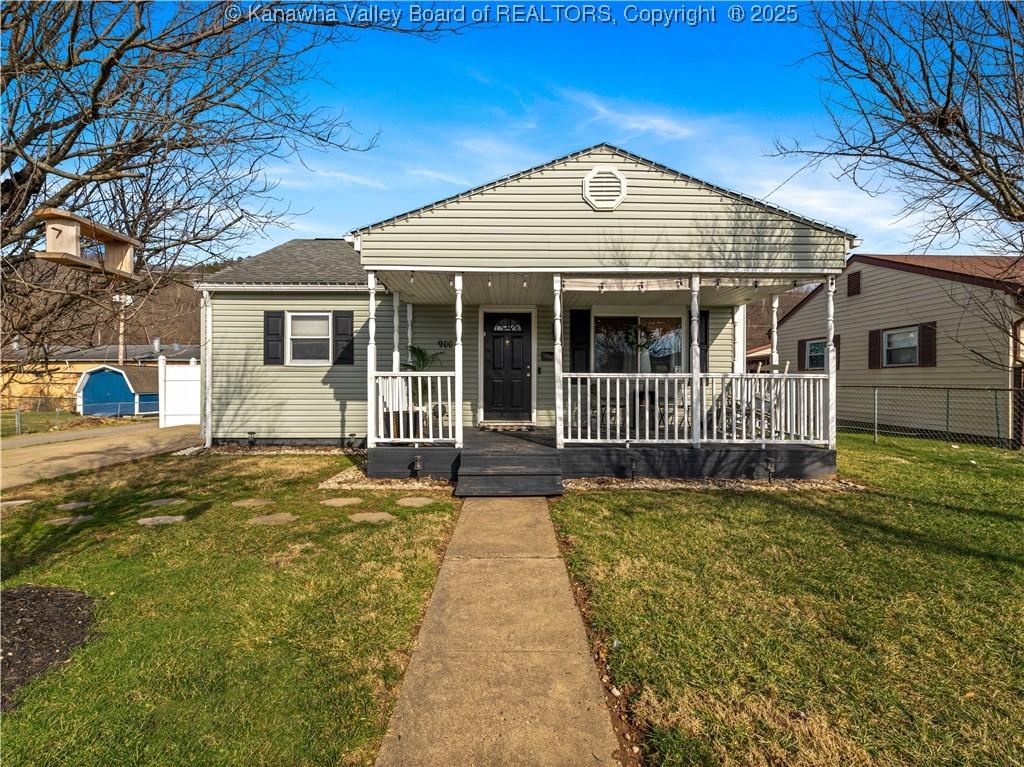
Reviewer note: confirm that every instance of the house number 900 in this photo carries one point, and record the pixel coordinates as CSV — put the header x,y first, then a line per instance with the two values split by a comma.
x,y
442,344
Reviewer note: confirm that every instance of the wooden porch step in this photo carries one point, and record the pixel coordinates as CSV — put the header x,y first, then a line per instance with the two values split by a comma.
x,y
505,474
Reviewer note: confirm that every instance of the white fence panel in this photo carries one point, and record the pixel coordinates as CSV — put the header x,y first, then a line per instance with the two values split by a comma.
x,y
179,394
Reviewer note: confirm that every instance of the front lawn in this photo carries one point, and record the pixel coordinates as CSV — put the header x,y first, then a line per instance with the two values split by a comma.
x,y
818,628
215,641
35,421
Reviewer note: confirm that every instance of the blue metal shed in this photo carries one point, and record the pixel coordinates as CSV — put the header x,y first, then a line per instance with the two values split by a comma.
x,y
111,390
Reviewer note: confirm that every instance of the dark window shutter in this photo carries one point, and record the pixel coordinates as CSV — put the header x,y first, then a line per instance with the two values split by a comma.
x,y
926,345
853,284
835,342
801,355
344,352
273,338
874,349
579,341
704,339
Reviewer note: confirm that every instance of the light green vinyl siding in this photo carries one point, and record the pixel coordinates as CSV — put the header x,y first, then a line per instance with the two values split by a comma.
x,y
541,221
329,401
284,401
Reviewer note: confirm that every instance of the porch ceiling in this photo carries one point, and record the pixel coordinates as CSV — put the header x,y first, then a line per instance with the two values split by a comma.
x,y
581,290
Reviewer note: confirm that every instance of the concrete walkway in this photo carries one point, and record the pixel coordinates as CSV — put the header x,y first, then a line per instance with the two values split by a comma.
x,y
501,674
31,458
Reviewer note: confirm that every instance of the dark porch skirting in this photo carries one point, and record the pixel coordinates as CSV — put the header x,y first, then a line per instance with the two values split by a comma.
x,y
664,462
711,461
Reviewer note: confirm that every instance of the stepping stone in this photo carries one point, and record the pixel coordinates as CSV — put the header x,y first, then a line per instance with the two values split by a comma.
x,y
73,505
65,521
280,518
341,501
22,502
373,517
250,502
162,519
415,501
164,502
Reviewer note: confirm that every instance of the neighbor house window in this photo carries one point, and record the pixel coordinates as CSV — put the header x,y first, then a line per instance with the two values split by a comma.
x,y
635,344
309,339
815,354
899,347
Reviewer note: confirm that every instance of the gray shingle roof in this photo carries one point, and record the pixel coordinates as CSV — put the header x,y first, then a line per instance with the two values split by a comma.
x,y
108,353
296,262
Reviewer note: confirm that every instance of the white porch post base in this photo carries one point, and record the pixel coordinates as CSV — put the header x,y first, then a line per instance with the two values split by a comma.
x,y
371,362
458,360
559,405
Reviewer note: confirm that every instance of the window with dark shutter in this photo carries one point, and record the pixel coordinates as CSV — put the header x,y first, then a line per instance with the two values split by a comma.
x,y
273,338
801,355
874,349
926,342
853,284
579,341
344,352
835,342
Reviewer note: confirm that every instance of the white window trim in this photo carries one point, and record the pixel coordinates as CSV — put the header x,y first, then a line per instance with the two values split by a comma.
x,y
807,354
917,347
684,323
288,338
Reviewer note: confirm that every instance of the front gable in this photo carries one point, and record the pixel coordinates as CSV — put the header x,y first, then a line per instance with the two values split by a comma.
x,y
603,209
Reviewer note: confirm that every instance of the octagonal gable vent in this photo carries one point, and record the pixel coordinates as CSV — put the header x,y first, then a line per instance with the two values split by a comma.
x,y
604,188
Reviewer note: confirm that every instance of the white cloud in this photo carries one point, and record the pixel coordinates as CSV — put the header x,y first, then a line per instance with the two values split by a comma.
x,y
631,119
299,176
434,175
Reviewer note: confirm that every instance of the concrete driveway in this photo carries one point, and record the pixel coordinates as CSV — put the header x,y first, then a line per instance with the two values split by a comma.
x,y
42,456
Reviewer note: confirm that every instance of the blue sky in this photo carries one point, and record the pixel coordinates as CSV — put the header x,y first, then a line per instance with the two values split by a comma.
x,y
463,110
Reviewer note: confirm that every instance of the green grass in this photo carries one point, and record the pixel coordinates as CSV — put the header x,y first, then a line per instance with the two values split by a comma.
x,y
818,628
217,642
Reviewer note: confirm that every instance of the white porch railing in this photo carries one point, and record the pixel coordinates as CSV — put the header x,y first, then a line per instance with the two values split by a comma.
x,y
637,407
758,408
765,407
415,407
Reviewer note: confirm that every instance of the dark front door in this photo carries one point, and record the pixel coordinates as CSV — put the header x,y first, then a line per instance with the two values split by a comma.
x,y
507,368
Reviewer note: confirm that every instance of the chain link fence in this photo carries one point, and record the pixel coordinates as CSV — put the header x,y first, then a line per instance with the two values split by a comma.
x,y
993,417
31,415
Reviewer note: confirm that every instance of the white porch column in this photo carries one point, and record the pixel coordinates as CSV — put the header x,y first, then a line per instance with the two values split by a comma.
x,y
206,357
371,362
559,406
408,332
458,360
396,354
697,407
739,339
774,332
830,351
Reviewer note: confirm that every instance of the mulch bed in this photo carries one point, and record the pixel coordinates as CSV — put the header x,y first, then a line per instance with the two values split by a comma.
x,y
41,626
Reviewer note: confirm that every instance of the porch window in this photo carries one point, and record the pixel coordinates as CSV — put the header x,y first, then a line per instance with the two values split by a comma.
x,y
636,344
899,347
309,339
815,351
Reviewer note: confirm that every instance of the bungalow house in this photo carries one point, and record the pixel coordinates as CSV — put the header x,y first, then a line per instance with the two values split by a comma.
x,y
586,317
950,327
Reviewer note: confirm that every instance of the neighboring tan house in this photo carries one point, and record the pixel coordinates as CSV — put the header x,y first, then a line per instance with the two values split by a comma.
x,y
588,317
920,321
58,379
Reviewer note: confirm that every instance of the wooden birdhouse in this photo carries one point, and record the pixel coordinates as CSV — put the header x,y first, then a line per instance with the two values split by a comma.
x,y
65,233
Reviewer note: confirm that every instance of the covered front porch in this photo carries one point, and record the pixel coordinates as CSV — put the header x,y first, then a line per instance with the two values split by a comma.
x,y
544,371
